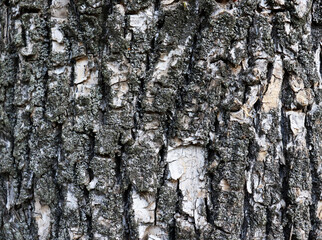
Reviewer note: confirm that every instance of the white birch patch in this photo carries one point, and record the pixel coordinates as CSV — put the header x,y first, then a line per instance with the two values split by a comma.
x,y
271,98
319,210
59,9
139,22
86,77
144,208
301,7
297,120
42,217
186,164
71,200
167,60
10,196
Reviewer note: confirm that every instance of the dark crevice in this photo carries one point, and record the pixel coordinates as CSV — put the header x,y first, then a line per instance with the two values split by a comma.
x,y
6,3
72,86
197,231
105,97
58,187
47,67
91,146
107,10
259,9
45,86
162,154
23,35
180,197
118,167
172,230
274,35
160,22
125,27
28,9
216,124
277,10
203,18
284,172
270,68
256,119
252,150
222,230
214,196
139,109
172,225
210,157
8,20
245,94
169,125
316,183
320,70
222,1
208,213
246,220
157,5
187,75
72,75
268,226
141,96
91,155
128,231
119,162
88,213
147,68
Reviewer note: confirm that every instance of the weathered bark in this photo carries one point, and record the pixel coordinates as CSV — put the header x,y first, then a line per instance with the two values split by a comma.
x,y
138,119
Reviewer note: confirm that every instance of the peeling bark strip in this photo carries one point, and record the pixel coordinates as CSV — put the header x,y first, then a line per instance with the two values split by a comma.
x,y
194,119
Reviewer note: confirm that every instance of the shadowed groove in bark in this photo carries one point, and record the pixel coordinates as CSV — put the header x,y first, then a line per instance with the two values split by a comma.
x,y
58,187
245,223
316,184
119,164
103,44
72,85
210,157
47,64
173,224
128,231
89,217
284,170
162,155
156,5
252,150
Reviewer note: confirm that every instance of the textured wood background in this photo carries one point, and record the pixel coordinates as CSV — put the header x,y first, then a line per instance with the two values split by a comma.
x,y
140,119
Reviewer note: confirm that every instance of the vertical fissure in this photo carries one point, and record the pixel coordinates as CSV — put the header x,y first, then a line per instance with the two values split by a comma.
x,y
162,165
128,232
89,217
284,176
247,196
246,219
58,187
316,185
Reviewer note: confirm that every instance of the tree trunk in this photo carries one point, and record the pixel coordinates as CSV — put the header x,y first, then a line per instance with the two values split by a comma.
x,y
171,119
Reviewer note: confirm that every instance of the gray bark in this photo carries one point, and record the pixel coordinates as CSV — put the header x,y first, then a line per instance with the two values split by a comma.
x,y
138,119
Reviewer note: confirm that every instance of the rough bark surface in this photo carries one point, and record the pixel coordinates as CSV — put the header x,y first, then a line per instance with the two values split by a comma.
x,y
140,119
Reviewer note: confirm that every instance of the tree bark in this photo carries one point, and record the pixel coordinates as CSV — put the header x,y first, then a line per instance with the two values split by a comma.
x,y
171,119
